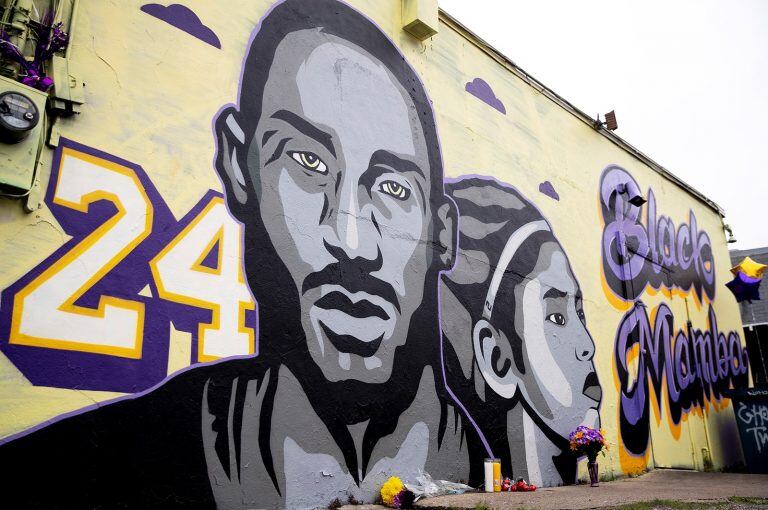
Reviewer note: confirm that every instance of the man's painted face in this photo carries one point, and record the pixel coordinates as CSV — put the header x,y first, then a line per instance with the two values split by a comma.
x,y
560,381
342,175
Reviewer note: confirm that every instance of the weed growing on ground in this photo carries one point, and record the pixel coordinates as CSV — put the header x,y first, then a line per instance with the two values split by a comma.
x,y
748,500
671,504
334,505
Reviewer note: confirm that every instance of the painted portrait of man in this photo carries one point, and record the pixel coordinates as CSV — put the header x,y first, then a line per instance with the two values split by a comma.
x,y
513,318
330,161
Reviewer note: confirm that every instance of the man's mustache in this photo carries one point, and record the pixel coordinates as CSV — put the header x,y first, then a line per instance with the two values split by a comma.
x,y
354,275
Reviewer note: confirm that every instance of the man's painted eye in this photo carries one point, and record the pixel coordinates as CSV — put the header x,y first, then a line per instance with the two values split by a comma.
x,y
398,191
309,160
580,314
557,318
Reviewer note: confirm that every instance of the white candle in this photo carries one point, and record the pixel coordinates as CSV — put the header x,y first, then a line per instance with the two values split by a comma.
x,y
488,465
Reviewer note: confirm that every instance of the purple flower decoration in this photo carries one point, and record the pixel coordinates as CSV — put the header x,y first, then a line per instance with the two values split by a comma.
x,y
404,499
50,40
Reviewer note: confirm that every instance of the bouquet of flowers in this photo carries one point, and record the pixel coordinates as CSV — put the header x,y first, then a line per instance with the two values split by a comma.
x,y
587,441
395,495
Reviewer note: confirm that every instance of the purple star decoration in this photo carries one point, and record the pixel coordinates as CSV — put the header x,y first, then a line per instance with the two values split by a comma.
x,y
745,288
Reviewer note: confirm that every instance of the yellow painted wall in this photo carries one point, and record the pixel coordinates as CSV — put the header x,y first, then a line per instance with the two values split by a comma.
x,y
151,92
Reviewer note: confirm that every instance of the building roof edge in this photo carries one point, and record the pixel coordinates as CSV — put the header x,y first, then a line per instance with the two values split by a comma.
x,y
505,62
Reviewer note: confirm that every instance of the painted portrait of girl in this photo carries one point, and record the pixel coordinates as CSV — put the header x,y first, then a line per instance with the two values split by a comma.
x,y
517,349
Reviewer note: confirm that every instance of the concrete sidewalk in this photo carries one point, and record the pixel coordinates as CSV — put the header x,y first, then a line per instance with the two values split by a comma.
x,y
658,484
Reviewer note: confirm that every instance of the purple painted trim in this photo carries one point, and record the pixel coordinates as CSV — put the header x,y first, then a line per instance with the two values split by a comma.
x,y
549,190
483,91
184,19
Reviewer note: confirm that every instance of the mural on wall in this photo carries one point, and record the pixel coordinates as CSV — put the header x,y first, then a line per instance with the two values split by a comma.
x,y
351,314
518,350
345,230
688,366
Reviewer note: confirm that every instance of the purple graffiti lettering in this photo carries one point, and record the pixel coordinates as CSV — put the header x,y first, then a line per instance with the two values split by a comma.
x,y
655,252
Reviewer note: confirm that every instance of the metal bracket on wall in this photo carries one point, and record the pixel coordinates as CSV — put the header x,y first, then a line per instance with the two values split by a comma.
x,y
68,94
420,18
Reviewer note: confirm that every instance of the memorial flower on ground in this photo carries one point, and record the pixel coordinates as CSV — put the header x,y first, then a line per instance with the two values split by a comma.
x,y
390,489
395,495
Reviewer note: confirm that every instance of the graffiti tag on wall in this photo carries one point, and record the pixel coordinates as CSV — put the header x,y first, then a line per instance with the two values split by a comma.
x,y
754,416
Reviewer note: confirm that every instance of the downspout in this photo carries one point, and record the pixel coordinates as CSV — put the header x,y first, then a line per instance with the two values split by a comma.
x,y
72,21
62,15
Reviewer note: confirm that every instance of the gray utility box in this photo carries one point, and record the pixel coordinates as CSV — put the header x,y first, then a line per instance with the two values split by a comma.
x,y
18,158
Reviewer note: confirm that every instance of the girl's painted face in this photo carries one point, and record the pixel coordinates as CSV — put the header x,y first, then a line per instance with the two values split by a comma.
x,y
559,381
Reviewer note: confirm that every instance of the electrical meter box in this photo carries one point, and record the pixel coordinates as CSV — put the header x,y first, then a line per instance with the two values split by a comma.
x,y
22,110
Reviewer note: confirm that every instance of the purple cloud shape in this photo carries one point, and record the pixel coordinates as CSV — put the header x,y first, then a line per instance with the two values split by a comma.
x,y
184,19
481,90
549,190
